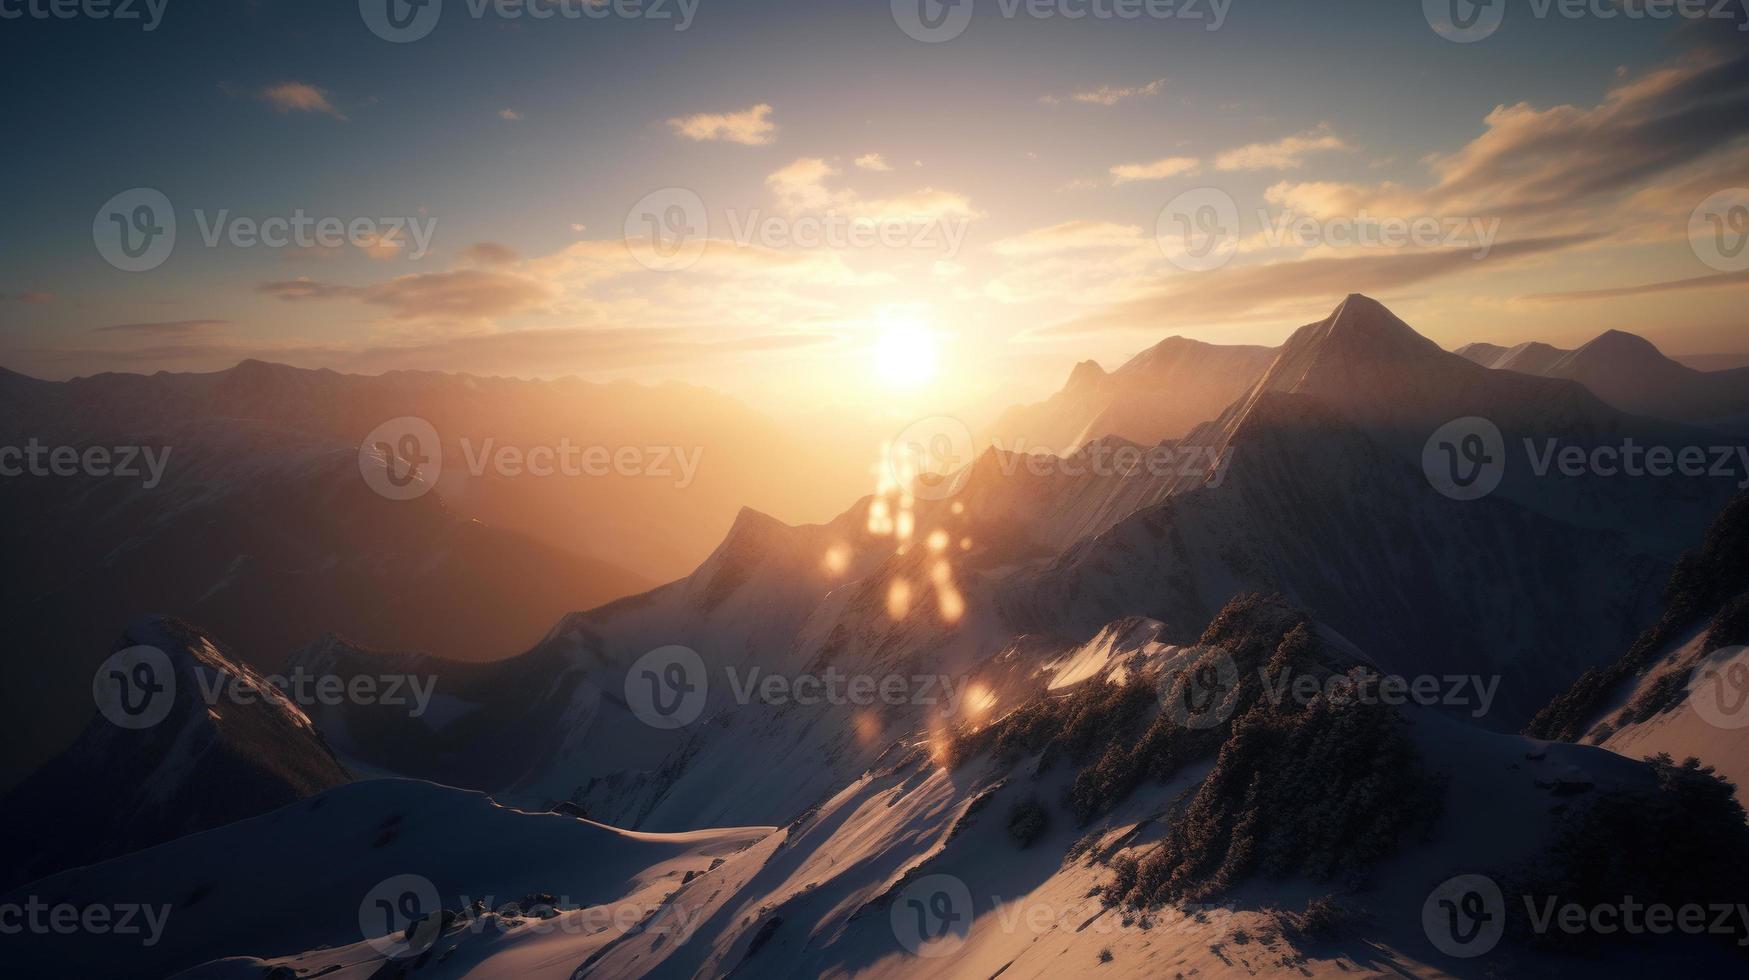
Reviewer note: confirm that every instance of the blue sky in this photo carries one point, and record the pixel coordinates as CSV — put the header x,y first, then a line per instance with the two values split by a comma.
x,y
518,132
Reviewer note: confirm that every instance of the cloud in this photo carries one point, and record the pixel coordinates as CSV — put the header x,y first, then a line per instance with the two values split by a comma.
x,y
1288,153
510,115
749,127
166,328
1721,280
1552,169
1125,173
1236,292
489,253
802,186
463,294
381,247
300,97
873,161
528,353
1109,95
32,297
1070,236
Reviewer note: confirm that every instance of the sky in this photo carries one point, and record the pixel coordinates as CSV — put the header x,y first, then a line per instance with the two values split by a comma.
x,y
834,203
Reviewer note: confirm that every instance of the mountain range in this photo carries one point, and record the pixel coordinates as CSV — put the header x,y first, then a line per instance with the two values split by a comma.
x,y
1085,762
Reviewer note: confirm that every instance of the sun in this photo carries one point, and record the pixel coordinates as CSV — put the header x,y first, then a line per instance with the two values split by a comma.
x,y
905,352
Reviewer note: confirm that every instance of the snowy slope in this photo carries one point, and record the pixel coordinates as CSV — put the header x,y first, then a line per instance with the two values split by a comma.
x,y
200,762
308,875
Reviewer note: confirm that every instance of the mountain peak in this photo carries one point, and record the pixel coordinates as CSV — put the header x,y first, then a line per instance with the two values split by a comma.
x,y
1087,374
1620,343
1361,328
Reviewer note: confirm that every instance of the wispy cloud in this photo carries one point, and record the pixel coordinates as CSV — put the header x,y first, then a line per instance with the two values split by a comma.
x,y
1723,280
1125,173
1240,292
749,127
803,186
873,161
300,97
510,115
166,327
1288,153
28,297
1108,95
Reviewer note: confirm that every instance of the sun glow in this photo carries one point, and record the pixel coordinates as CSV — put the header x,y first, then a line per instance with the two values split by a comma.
x,y
905,352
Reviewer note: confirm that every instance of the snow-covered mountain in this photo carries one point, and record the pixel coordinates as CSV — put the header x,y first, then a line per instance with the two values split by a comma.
x,y
1682,689
921,866
1629,372
267,537
978,690
188,739
1160,394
